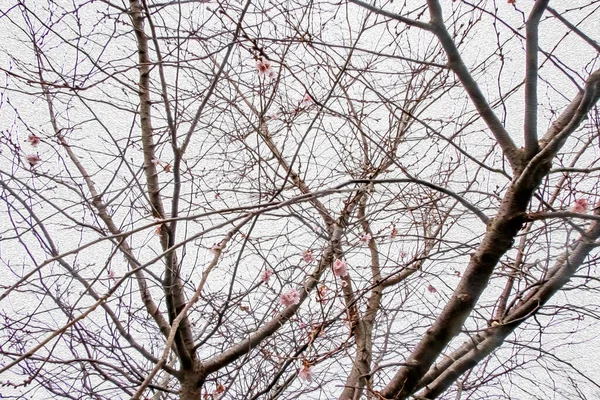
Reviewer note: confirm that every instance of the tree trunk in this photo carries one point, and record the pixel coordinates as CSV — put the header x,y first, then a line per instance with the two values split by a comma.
x,y
191,385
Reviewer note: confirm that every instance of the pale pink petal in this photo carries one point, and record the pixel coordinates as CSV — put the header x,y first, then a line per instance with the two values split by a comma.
x,y
322,293
307,256
266,275
431,289
33,139
290,297
305,374
340,268
306,100
580,206
33,159
264,68
366,238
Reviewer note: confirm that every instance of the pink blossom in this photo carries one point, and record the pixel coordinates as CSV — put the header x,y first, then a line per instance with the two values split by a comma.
x,y
431,289
306,100
366,238
394,233
266,275
290,297
264,68
307,256
580,206
305,373
340,268
33,159
322,293
33,139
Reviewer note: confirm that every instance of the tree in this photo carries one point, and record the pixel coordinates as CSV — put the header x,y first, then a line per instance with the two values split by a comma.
x,y
304,199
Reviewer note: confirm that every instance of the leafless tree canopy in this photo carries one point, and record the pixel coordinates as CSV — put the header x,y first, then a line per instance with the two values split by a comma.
x,y
300,199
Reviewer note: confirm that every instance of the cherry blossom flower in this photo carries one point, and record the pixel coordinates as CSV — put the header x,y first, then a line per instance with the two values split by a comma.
x,y
305,373
431,289
322,293
366,238
264,68
266,275
340,268
33,159
307,256
33,139
306,100
290,297
394,233
580,206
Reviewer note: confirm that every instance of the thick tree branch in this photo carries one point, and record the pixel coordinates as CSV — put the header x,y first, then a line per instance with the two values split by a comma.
x,y
569,120
498,239
457,65
172,282
471,353
573,28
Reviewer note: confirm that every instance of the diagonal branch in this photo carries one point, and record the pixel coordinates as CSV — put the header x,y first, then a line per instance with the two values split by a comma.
x,y
472,352
573,28
457,65
397,17
498,239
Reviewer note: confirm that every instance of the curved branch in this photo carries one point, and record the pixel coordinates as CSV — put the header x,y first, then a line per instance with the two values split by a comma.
x,y
457,65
